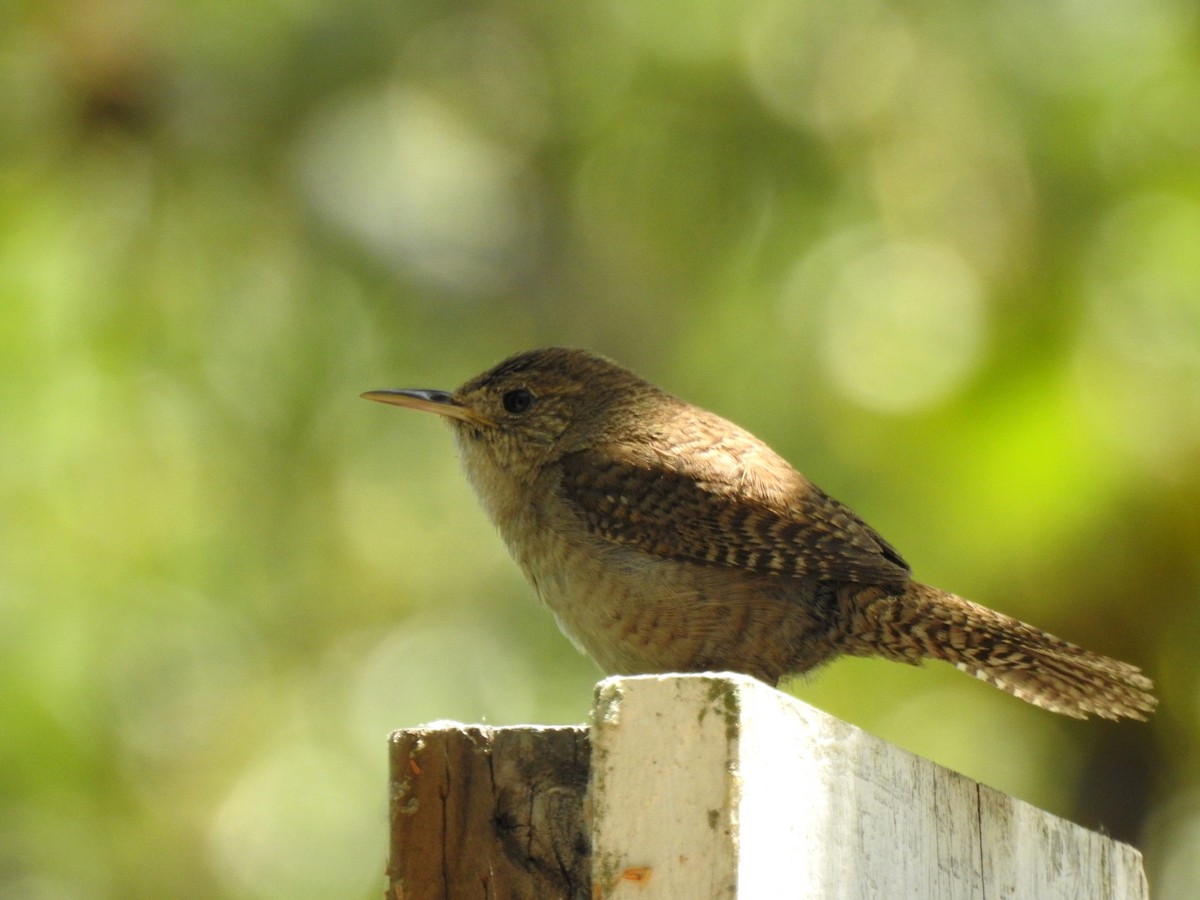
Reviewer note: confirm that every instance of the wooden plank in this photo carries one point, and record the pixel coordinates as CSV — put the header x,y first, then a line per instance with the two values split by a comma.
x,y
720,786
663,796
488,812
1030,853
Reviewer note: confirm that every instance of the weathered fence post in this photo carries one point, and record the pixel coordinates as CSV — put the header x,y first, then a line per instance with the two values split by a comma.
x,y
718,786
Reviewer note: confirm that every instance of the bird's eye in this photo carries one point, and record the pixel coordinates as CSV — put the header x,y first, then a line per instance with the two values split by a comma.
x,y
517,401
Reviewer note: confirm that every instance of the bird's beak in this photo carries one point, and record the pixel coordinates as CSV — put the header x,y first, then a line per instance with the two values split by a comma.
x,y
440,402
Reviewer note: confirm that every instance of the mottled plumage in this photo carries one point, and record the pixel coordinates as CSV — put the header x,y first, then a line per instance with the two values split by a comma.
x,y
665,538
625,494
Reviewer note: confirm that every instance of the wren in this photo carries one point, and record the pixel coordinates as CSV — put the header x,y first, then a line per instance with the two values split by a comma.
x,y
664,538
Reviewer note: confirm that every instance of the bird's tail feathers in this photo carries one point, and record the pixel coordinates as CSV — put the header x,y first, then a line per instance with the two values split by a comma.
x,y
1039,668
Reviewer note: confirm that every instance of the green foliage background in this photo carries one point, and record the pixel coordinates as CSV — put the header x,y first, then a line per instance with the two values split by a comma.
x,y
945,257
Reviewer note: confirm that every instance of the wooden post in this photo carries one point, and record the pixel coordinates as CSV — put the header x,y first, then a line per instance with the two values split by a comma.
x,y
718,786
481,812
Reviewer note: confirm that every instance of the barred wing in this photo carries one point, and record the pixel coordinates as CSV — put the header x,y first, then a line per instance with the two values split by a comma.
x,y
669,506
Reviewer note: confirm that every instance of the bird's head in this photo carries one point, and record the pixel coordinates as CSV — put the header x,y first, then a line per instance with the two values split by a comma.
x,y
527,412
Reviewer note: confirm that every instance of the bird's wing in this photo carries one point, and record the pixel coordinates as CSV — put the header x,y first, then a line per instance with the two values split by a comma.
x,y
676,506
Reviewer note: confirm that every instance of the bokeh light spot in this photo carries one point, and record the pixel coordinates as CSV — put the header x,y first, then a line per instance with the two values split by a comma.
x,y
823,68
903,326
294,826
1139,357
401,173
404,679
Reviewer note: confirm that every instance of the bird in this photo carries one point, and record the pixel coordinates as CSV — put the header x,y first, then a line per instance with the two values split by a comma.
x,y
664,538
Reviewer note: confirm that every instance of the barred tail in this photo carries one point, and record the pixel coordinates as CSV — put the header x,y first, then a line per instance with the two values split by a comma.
x,y
1039,668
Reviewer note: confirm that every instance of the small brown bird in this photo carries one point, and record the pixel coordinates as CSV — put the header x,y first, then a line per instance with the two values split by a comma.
x,y
666,539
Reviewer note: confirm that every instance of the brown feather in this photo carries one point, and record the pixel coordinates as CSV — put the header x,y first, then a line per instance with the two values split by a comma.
x,y
625,492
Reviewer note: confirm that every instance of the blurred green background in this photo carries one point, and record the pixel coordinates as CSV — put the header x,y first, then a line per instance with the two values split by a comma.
x,y
944,257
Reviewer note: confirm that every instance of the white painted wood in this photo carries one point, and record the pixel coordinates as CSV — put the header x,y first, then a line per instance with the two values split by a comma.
x,y
718,786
